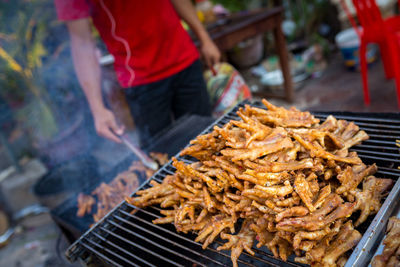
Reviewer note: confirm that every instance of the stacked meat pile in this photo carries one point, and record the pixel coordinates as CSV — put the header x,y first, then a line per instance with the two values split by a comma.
x,y
110,195
277,176
391,253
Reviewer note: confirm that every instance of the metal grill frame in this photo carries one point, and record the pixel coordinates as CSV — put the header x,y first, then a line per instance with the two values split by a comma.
x,y
92,242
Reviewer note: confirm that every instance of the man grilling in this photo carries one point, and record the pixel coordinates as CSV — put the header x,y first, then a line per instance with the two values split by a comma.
x,y
156,61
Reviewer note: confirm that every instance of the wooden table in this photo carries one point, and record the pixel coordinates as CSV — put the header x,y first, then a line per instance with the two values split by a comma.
x,y
226,36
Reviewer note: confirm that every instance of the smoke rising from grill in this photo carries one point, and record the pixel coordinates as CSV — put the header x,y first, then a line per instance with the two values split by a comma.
x,y
42,100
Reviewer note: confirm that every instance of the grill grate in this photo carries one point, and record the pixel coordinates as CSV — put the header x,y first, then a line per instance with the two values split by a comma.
x,y
127,237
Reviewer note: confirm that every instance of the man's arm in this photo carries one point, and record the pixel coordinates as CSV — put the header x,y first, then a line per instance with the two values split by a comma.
x,y
208,49
88,71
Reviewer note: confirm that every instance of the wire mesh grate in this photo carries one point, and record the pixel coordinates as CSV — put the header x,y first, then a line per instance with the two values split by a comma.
x,y
127,236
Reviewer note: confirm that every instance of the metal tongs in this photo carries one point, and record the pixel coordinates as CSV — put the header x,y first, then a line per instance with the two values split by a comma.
x,y
146,160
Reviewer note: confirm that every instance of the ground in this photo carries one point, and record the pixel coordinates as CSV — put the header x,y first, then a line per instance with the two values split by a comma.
x,y
339,89
39,242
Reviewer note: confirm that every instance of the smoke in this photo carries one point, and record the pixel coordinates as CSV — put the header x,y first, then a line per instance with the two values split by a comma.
x,y
42,97
45,102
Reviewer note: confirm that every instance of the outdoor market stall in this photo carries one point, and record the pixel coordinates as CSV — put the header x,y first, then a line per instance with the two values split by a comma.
x,y
174,155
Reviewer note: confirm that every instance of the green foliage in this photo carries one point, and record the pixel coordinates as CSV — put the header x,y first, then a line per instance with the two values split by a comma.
x,y
24,28
307,15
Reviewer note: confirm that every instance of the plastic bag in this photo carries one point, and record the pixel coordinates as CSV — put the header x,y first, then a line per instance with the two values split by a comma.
x,y
226,88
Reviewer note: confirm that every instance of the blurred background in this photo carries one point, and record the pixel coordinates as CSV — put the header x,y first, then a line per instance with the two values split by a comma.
x,y
50,151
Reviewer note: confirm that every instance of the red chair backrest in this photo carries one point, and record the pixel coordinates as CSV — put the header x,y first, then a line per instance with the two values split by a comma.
x,y
368,13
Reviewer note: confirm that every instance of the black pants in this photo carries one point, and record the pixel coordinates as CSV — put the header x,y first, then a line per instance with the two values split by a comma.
x,y
155,105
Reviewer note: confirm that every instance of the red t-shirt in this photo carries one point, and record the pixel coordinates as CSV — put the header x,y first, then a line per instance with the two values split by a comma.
x,y
145,37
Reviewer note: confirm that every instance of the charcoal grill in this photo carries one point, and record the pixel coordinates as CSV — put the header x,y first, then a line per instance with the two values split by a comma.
x,y
127,238
169,141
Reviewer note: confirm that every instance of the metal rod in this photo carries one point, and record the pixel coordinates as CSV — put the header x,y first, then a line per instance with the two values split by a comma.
x,y
389,131
151,242
189,240
384,136
119,248
164,239
395,148
239,260
355,118
376,153
148,162
158,179
170,168
156,208
396,175
100,254
377,158
251,256
135,245
272,256
380,142
379,126
169,172
172,233
225,121
396,171
185,160
361,122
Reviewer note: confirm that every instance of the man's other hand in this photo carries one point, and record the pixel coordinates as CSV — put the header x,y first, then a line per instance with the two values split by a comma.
x,y
106,125
210,53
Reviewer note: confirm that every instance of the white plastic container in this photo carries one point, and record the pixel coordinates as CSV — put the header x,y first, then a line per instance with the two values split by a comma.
x,y
349,44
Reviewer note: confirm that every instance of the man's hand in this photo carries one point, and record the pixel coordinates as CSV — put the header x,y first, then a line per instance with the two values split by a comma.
x,y
210,53
106,125
88,70
208,49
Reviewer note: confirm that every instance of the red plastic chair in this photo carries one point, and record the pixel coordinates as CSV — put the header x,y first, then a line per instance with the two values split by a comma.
x,y
386,33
